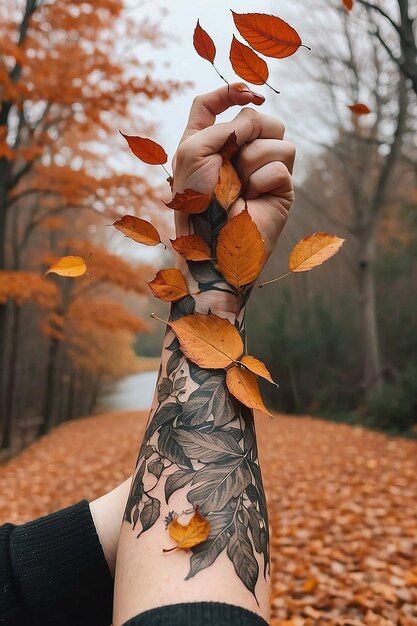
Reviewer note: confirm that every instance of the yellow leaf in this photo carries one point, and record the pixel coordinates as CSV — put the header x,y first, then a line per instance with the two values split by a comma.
x,y
243,385
210,341
138,229
191,248
195,532
72,266
313,250
169,285
240,250
256,367
228,186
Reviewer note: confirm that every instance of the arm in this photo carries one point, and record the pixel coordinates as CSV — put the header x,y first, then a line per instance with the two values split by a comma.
x,y
199,448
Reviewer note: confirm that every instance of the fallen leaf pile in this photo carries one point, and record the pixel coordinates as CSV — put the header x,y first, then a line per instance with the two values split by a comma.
x,y
342,503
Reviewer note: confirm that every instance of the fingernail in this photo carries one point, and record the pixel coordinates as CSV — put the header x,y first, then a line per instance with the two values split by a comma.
x,y
258,98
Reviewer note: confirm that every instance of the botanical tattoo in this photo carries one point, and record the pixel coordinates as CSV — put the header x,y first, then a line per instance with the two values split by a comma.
x,y
202,440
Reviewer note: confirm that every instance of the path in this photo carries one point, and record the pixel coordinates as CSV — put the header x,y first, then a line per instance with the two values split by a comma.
x,y
343,508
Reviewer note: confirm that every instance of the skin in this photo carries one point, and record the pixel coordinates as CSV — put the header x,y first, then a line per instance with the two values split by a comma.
x,y
146,577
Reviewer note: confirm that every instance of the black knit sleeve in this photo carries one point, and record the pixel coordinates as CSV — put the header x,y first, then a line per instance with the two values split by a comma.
x,y
57,572
11,613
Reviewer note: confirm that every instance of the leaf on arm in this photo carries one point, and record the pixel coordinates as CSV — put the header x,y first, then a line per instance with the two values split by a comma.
x,y
243,385
169,285
146,150
313,250
240,250
196,531
268,34
247,64
256,367
138,229
70,266
210,341
203,43
191,248
190,202
228,186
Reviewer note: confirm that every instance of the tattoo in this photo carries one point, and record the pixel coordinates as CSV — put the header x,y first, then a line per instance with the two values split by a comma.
x,y
203,441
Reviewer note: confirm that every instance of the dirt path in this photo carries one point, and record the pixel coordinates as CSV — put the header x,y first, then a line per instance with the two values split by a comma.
x,y
343,508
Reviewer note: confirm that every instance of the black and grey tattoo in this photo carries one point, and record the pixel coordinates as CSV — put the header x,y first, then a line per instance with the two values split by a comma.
x,y
202,440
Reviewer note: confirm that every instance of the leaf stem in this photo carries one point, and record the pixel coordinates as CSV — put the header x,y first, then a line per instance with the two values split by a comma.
x,y
169,175
274,280
273,89
155,317
222,77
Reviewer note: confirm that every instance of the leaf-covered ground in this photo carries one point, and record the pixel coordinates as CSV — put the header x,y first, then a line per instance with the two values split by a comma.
x,y
343,507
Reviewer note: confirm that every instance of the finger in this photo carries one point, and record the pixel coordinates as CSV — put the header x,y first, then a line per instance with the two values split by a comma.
x,y
260,152
207,106
273,178
248,126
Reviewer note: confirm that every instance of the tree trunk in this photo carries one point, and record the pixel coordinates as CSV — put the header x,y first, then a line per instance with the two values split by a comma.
x,y
370,347
11,385
49,402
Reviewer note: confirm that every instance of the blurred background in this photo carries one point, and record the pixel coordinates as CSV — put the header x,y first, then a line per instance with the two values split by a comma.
x,y
340,340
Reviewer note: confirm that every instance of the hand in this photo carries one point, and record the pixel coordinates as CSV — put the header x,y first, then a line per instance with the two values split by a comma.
x,y
264,164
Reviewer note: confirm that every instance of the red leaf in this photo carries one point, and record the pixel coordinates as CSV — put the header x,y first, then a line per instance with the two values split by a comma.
x,y
247,64
268,34
348,4
359,108
146,150
190,201
204,44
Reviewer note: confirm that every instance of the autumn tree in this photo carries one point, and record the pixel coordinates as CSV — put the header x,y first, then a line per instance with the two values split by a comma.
x,y
69,78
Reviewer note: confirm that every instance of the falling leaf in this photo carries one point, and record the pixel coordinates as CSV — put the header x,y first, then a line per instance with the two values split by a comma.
x,y
210,341
228,186
313,250
359,108
72,266
247,64
204,44
240,250
190,202
230,147
146,150
256,367
169,285
138,229
243,385
268,34
348,4
191,248
196,531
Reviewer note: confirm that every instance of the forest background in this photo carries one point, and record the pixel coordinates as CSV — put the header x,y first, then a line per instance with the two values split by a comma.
x,y
340,340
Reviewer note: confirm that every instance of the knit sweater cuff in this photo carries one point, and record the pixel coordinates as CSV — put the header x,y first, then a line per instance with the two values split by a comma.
x,y
201,613
60,569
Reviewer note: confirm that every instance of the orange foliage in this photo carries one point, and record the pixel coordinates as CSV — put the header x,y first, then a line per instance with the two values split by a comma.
x,y
22,287
105,313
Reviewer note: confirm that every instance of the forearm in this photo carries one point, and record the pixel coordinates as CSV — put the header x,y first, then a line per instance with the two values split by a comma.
x,y
199,451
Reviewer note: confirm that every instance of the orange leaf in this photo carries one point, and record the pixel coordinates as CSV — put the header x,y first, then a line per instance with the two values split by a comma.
x,y
146,150
204,44
359,108
169,285
228,186
230,147
268,34
72,266
191,248
195,532
348,4
138,229
190,201
240,250
313,250
256,367
247,64
210,341
243,385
